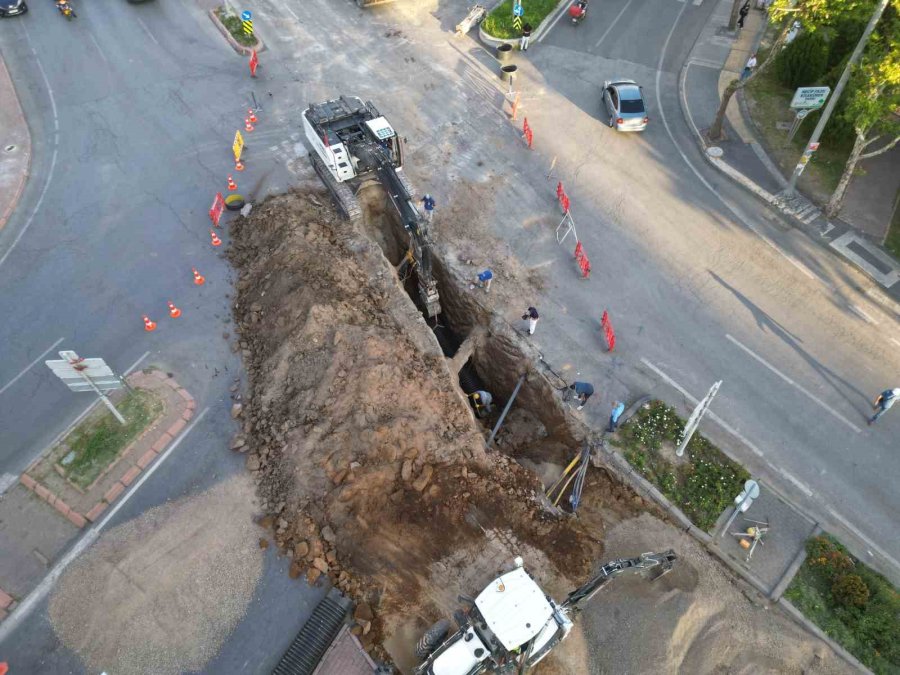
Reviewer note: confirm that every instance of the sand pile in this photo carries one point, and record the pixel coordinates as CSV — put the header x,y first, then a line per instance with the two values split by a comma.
x,y
162,592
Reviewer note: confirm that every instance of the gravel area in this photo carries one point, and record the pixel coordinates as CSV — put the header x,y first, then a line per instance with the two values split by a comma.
x,y
161,593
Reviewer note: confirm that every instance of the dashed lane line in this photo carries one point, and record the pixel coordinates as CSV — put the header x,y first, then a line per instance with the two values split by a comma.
x,y
791,382
30,365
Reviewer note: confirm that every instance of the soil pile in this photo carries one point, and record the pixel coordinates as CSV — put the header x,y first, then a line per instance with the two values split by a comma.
x,y
160,593
366,452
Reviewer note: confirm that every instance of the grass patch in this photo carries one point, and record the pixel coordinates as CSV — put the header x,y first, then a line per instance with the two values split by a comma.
x,y
769,102
233,23
892,241
702,483
865,620
97,441
499,23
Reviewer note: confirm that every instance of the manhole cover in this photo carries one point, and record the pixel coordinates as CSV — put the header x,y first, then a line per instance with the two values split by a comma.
x,y
9,148
715,151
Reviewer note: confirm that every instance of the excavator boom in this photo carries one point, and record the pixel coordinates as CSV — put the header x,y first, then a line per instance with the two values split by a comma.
x,y
656,564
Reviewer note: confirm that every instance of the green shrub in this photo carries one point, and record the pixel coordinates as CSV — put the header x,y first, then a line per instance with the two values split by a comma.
x,y
828,557
850,590
499,23
804,62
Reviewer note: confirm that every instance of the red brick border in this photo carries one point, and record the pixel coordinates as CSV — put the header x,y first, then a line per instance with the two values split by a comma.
x,y
80,520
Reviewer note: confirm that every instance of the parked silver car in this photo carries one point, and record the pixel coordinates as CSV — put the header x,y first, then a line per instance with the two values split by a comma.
x,y
624,103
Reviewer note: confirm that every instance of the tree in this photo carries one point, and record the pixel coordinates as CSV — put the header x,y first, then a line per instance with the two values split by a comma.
x,y
874,102
813,15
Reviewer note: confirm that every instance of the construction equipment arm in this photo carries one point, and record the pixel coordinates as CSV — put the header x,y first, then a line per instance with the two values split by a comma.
x,y
657,563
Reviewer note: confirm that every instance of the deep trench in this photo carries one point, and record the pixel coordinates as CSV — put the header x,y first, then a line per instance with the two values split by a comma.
x,y
495,361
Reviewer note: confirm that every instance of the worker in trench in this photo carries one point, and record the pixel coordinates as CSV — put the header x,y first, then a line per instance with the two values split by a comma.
x,y
483,403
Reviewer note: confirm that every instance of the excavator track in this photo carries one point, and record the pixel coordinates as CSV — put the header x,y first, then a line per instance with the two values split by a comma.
x,y
343,196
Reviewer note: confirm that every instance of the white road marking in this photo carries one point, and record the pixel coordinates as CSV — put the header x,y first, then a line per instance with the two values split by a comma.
x,y
43,194
790,477
800,266
614,21
718,420
697,3
859,534
7,480
895,341
49,581
856,309
801,389
563,10
97,45
147,30
30,366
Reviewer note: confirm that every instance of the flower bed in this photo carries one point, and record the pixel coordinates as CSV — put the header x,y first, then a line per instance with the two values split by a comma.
x,y
702,483
853,604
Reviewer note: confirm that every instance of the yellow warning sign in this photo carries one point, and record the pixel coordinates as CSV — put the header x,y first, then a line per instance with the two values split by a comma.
x,y
238,145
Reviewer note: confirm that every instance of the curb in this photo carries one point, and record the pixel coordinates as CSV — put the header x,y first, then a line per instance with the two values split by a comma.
x,y
239,48
801,619
492,41
20,188
80,520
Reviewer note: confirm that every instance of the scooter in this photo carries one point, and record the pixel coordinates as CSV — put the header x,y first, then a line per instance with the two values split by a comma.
x,y
578,11
66,9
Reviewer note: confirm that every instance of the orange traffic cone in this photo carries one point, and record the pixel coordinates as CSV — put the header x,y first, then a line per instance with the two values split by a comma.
x,y
231,184
215,240
148,324
252,117
247,125
174,312
198,278
238,165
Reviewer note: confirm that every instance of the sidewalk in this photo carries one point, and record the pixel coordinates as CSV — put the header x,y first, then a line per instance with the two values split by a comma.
x,y
717,58
15,147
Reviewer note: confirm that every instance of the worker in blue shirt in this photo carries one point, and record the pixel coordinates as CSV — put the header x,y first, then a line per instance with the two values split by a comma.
x,y
583,391
428,203
618,409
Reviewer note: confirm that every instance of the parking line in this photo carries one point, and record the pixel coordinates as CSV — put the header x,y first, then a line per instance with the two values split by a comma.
x,y
610,27
30,365
856,309
718,420
48,582
784,377
147,30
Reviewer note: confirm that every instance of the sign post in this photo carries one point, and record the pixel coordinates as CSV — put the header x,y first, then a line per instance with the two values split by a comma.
x,y
238,146
80,374
518,12
694,420
798,120
215,211
247,21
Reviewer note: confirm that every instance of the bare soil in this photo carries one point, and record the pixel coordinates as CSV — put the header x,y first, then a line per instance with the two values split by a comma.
x,y
369,460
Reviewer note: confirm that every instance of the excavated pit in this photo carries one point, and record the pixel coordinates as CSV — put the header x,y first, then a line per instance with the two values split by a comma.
x,y
370,463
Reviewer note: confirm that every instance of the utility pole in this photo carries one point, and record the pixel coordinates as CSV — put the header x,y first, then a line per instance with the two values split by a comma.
x,y
694,420
813,144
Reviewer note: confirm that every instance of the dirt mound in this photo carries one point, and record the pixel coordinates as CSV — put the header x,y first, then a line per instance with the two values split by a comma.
x,y
160,593
366,452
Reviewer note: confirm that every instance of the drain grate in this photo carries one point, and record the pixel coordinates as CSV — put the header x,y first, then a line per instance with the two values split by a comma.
x,y
317,633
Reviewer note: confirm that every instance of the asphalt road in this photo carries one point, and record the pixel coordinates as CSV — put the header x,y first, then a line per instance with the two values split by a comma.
x,y
132,108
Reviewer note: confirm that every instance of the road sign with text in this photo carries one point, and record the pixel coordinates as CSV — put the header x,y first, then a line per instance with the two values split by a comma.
x,y
78,374
810,98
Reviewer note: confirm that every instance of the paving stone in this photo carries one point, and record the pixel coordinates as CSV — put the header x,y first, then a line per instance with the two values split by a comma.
x,y
114,493
77,519
130,475
147,459
95,512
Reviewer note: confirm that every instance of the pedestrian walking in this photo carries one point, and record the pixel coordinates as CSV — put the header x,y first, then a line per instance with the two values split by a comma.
x,y
483,280
618,409
883,403
526,37
428,203
531,316
751,64
582,390
745,10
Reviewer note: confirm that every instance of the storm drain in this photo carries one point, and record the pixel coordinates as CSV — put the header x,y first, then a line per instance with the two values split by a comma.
x,y
317,633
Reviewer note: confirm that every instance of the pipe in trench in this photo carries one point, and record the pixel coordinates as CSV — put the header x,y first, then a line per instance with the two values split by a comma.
x,y
506,409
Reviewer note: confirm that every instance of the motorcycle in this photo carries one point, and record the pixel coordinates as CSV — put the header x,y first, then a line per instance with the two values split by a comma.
x,y
578,11
66,9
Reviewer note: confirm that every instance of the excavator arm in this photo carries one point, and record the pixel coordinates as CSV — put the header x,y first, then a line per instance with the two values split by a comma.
x,y
656,564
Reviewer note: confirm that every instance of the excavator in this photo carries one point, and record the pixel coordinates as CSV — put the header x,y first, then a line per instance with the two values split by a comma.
x,y
350,144
513,623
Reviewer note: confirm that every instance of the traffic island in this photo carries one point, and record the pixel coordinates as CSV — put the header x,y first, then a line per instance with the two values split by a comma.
x,y
230,25
94,462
